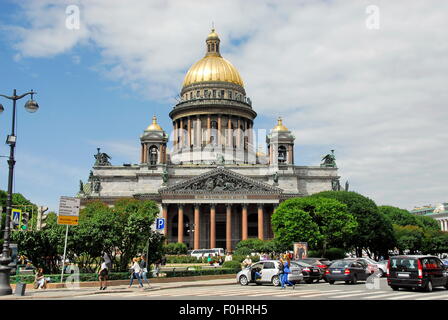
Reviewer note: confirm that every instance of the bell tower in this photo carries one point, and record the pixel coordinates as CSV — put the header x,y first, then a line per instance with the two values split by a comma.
x,y
280,145
153,141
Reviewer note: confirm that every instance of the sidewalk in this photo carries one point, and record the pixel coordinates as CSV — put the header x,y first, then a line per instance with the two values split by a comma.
x,y
67,293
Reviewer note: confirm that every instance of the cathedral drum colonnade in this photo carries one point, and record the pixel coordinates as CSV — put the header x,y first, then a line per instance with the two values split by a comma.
x,y
213,187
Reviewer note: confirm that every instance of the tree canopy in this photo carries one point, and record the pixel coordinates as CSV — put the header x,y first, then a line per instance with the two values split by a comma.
x,y
374,233
321,222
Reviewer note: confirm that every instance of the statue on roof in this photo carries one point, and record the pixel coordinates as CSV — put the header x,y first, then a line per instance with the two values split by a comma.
x,y
329,160
102,159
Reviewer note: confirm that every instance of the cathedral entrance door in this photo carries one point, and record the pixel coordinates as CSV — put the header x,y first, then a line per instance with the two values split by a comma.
x,y
221,235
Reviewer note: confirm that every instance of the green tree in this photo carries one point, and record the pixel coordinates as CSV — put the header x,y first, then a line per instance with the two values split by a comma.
x,y
321,222
398,216
374,233
409,238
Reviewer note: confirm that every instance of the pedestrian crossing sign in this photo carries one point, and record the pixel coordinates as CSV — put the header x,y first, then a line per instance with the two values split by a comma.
x,y
16,215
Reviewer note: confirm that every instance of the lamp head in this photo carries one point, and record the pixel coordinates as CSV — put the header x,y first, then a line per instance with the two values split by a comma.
x,y
31,106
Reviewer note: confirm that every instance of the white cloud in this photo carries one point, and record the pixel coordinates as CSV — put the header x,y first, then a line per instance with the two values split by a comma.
x,y
378,96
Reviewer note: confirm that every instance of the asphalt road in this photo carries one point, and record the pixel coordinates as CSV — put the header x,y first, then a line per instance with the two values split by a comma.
x,y
315,291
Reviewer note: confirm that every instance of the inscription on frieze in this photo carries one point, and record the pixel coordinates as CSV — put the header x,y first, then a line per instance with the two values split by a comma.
x,y
220,197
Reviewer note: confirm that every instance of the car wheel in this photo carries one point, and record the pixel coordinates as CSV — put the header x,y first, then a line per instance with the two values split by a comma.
x,y
243,281
331,281
428,287
317,280
395,288
309,281
275,281
355,279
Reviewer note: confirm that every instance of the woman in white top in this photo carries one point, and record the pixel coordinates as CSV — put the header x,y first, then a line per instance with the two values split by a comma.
x,y
102,275
135,273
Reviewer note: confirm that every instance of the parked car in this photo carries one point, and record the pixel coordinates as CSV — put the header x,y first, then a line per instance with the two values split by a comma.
x,y
445,262
375,266
199,253
418,272
348,270
321,263
269,273
310,273
370,267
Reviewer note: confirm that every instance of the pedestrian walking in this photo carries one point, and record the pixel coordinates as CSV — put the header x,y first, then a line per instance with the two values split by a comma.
x,y
157,268
144,270
135,273
281,273
103,274
286,272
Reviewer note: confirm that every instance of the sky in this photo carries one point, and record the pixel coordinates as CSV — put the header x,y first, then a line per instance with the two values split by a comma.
x,y
365,78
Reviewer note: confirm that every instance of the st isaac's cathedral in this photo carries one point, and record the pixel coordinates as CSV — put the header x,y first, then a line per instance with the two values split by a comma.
x,y
212,182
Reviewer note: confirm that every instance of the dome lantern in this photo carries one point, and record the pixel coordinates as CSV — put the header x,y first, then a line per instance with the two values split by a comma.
x,y
212,42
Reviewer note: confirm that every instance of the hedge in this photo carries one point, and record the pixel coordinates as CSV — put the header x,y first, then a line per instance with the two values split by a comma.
x,y
234,265
124,275
182,259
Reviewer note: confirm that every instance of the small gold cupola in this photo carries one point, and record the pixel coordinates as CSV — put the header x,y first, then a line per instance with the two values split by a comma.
x,y
154,126
212,42
280,126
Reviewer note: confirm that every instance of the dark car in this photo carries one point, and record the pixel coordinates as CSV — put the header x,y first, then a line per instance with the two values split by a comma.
x,y
419,272
310,273
347,270
321,263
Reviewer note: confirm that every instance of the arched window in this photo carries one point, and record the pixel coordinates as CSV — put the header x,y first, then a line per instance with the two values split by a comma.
x,y
282,154
153,153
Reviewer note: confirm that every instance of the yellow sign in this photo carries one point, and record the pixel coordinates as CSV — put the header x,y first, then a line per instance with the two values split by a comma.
x,y
69,220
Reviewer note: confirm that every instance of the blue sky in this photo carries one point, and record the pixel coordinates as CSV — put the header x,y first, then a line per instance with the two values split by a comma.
x,y
375,96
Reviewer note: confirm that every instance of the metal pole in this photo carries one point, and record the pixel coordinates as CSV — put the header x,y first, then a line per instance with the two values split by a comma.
x,y
65,250
5,287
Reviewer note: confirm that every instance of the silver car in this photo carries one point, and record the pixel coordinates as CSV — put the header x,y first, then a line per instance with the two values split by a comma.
x,y
269,273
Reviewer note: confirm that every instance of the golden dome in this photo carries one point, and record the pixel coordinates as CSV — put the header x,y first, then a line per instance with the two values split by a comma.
x,y
280,126
154,126
213,67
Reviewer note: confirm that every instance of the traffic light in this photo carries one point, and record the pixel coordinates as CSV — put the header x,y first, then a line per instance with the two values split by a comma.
x,y
24,221
41,217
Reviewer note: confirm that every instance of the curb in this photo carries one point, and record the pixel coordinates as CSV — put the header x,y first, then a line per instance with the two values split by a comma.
x,y
116,291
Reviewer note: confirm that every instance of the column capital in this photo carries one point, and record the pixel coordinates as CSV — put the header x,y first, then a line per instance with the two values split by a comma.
x,y
197,205
212,206
180,205
244,205
260,205
229,205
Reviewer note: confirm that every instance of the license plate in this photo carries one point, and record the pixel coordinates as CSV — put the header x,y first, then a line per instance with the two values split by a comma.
x,y
403,275
336,271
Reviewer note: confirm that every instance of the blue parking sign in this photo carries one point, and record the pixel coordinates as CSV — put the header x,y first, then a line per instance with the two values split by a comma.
x,y
160,223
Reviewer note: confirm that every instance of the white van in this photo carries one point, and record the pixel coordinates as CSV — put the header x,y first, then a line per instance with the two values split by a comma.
x,y
199,253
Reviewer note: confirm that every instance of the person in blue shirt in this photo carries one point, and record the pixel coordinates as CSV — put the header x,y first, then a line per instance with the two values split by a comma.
x,y
286,271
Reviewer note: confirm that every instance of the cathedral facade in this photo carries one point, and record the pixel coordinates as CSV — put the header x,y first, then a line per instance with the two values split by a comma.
x,y
213,187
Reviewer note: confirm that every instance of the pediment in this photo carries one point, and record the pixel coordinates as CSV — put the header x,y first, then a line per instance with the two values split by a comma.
x,y
220,181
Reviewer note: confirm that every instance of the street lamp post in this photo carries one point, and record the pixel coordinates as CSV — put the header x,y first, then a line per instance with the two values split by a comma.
x,y
5,259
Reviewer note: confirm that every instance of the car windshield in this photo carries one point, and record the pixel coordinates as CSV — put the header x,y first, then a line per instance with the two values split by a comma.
x,y
341,264
404,264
